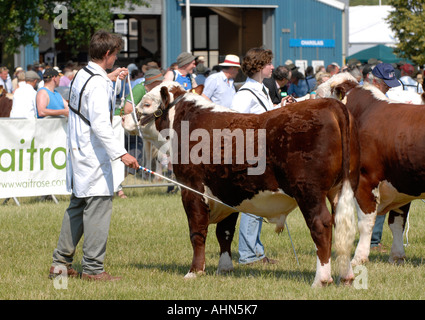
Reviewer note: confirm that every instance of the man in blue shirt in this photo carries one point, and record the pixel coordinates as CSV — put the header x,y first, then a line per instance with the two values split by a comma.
x,y
219,87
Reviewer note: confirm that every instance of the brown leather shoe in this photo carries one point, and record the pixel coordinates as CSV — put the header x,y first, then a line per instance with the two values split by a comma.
x,y
99,277
70,272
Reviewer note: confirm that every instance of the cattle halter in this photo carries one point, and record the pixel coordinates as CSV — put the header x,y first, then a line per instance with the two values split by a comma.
x,y
149,117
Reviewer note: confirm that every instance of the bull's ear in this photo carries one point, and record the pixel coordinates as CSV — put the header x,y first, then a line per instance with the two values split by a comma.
x,y
165,96
339,92
423,98
199,89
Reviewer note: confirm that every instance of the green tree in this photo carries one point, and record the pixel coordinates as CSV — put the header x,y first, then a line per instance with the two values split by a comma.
x,y
408,23
20,20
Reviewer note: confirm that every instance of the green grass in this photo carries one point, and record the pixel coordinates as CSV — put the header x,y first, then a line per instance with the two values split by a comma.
x,y
149,247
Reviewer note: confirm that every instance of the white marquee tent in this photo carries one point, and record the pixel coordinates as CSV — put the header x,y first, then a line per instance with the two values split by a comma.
x,y
368,28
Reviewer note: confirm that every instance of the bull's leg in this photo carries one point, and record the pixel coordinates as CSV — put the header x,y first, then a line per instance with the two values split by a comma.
x,y
198,218
319,221
225,231
365,224
397,221
366,214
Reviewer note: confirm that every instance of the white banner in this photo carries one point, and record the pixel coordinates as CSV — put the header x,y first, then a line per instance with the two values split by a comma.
x,y
33,157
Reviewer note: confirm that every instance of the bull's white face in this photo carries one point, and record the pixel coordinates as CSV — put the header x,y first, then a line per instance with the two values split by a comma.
x,y
148,105
325,89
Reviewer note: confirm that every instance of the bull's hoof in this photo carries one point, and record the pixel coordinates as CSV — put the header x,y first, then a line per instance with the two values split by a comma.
x,y
346,281
225,264
193,275
221,272
322,283
358,261
398,260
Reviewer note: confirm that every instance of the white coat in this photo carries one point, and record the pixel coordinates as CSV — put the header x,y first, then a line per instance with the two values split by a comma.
x,y
92,148
245,102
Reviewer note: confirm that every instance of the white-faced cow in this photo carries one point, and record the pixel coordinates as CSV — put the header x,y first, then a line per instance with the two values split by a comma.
x,y
297,155
392,171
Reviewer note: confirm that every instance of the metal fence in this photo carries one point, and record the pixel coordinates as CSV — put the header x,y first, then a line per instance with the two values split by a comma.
x,y
147,156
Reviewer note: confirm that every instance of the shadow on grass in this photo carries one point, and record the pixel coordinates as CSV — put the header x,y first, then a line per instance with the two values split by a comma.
x,y
240,271
414,261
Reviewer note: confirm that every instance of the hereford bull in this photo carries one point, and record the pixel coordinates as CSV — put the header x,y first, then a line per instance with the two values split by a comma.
x,y
392,171
306,158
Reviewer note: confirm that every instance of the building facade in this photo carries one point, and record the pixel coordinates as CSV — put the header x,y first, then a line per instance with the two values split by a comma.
x,y
308,32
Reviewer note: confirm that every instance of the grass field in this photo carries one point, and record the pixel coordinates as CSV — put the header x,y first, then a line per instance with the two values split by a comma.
x,y
149,246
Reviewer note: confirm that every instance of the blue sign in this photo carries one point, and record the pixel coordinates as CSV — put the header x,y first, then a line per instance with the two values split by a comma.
x,y
318,43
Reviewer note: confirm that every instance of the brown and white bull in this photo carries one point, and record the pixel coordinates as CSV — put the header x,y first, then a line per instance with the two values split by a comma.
x,y
392,158
293,156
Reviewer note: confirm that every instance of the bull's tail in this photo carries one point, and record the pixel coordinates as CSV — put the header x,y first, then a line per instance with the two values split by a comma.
x,y
345,228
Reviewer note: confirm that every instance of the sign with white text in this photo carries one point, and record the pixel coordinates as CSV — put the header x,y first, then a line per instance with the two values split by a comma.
x,y
33,157
317,43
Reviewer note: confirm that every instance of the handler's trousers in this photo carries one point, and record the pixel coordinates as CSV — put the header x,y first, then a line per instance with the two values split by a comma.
x,y
89,216
250,247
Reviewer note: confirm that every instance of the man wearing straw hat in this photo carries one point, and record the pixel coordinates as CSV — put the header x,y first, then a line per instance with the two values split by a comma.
x,y
219,87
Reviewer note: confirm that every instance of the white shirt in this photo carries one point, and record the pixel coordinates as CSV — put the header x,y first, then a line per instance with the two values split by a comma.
x,y
24,105
7,84
91,148
411,84
245,102
219,89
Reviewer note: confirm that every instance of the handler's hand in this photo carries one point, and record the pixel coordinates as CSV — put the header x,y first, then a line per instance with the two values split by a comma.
x,y
130,161
287,100
119,72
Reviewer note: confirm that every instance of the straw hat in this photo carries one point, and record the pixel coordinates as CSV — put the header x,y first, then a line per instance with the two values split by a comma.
x,y
231,61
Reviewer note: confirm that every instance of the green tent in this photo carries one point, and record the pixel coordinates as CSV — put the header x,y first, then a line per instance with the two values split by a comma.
x,y
380,52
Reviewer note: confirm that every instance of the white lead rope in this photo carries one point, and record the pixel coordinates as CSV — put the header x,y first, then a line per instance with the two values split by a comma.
x,y
133,113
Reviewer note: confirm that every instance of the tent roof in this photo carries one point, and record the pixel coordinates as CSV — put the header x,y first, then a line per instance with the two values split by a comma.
x,y
380,52
367,25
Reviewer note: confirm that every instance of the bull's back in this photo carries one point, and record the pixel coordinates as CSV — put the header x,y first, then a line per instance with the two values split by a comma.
x,y
308,141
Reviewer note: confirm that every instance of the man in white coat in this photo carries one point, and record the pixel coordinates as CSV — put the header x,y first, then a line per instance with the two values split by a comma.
x,y
91,148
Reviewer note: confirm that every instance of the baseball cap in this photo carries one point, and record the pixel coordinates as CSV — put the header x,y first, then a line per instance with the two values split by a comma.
x,y
50,73
386,72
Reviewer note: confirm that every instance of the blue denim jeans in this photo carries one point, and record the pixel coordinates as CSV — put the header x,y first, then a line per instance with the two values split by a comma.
x,y
377,231
250,247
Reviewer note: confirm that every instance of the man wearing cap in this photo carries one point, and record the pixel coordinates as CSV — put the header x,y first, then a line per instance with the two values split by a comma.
x,y
219,87
49,101
408,83
24,105
184,73
383,77
153,77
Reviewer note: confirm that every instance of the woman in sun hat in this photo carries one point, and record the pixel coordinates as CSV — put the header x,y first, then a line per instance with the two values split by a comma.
x,y
219,87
